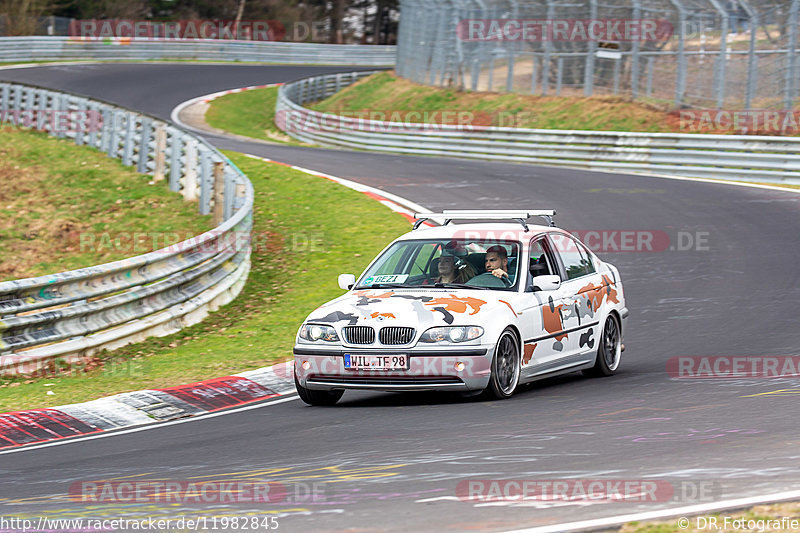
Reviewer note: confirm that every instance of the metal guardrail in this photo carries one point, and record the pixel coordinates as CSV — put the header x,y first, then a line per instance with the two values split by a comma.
x,y
72,315
114,49
732,157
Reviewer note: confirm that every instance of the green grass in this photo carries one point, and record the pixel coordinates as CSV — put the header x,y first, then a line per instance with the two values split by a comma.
x,y
248,113
384,92
309,240
63,207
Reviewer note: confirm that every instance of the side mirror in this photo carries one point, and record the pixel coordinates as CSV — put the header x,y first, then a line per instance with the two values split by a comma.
x,y
346,281
546,283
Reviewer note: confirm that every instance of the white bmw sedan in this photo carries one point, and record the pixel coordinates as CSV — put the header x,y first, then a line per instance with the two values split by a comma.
x,y
476,307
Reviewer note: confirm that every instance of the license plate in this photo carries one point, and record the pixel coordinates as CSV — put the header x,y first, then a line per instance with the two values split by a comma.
x,y
375,362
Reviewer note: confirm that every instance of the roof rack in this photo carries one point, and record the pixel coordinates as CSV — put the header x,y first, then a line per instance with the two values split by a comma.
x,y
520,216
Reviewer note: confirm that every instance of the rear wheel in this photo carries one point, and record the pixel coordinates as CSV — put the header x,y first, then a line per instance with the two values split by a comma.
x,y
505,367
609,351
317,397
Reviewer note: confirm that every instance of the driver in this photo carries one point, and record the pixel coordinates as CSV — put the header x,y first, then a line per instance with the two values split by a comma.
x,y
497,261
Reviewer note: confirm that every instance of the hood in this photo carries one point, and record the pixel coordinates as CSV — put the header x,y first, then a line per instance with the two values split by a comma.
x,y
421,309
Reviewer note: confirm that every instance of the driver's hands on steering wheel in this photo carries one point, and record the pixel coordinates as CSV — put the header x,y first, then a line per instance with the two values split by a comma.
x,y
499,273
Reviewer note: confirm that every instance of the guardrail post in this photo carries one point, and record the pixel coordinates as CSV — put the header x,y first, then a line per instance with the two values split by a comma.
x,y
230,191
83,107
160,157
116,127
241,193
93,124
127,145
42,115
205,181
61,107
144,145
4,101
175,160
190,176
219,192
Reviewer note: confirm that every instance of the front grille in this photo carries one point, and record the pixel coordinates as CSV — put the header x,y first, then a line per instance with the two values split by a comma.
x,y
396,335
359,334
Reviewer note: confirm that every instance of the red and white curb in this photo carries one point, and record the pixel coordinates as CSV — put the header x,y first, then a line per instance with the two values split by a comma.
x,y
129,409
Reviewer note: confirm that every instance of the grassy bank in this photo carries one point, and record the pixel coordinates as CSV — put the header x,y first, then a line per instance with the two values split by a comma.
x,y
64,207
248,113
386,93
305,239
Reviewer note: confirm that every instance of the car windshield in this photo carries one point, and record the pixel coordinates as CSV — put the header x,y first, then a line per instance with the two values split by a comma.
x,y
446,263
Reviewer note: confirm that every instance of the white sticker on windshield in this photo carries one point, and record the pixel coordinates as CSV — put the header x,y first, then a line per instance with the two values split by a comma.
x,y
386,278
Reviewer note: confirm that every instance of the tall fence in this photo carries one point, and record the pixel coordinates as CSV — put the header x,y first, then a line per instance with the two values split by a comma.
x,y
114,49
736,54
735,157
72,315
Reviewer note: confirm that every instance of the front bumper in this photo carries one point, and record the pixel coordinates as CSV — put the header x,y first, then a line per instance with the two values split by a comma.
x,y
322,368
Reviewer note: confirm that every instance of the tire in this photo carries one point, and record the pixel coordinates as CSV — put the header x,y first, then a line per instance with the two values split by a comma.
x,y
317,397
505,367
609,349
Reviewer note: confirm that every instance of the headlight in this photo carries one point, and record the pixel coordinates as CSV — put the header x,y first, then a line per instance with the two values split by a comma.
x,y
316,332
452,334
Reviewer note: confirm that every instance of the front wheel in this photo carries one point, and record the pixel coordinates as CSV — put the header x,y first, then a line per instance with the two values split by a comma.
x,y
317,397
609,351
505,367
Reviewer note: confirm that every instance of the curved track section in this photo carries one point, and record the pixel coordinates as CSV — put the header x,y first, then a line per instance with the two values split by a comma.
x,y
398,462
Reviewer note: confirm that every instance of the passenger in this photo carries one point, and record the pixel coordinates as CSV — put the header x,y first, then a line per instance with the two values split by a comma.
x,y
452,267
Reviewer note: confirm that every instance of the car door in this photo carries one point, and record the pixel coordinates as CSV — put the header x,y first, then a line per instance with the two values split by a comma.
x,y
541,313
581,284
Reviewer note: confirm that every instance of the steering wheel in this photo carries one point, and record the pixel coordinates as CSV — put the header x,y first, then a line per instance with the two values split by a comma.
x,y
489,280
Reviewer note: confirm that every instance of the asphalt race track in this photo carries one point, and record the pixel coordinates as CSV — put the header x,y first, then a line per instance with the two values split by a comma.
x,y
393,462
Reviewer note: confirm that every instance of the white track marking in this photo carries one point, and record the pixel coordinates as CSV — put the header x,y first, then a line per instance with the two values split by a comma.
x,y
662,513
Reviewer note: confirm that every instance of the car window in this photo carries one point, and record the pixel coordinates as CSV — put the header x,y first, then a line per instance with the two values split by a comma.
x,y
540,263
577,261
452,262
427,252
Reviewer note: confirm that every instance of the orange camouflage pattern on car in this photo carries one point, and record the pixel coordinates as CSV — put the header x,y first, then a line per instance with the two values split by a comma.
x,y
528,355
594,294
455,304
